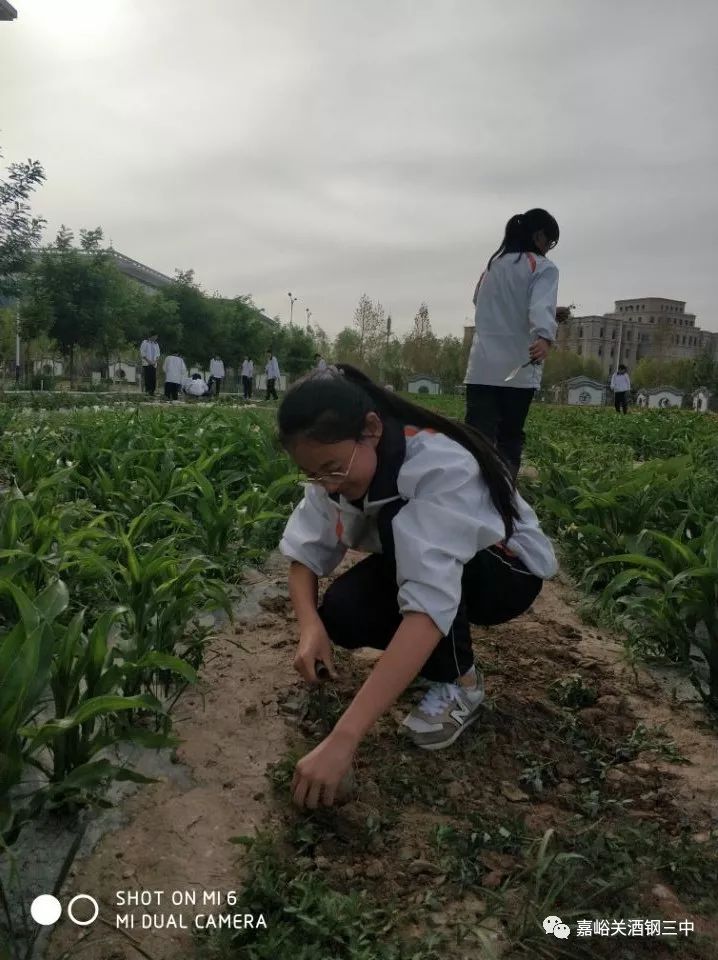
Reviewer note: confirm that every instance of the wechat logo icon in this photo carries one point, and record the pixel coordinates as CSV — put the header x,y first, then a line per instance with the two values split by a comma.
x,y
557,927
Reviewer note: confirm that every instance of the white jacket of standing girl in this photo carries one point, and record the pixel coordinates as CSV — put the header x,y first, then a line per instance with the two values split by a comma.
x,y
515,304
272,369
175,369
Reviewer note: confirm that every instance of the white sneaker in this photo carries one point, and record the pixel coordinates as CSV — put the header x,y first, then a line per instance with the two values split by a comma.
x,y
444,713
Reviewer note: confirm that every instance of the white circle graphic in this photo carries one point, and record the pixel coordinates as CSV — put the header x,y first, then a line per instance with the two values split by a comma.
x,y
45,909
83,896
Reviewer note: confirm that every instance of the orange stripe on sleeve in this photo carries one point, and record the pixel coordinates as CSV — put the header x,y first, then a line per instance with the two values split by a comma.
x,y
412,431
339,529
532,261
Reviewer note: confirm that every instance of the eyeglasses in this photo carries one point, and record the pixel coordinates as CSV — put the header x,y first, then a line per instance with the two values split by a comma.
x,y
337,474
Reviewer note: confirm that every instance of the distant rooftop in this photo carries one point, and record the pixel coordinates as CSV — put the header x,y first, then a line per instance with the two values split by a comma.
x,y
7,11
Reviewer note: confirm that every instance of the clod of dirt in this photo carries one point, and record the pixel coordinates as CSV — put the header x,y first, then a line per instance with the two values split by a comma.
x,y
417,867
375,869
455,790
493,880
513,793
615,776
473,905
592,715
564,789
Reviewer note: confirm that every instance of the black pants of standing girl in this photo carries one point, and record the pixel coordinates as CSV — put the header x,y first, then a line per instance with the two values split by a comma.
x,y
620,401
500,413
361,609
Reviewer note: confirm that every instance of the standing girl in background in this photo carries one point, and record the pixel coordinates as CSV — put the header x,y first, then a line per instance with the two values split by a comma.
x,y
247,377
451,543
515,322
621,384
272,371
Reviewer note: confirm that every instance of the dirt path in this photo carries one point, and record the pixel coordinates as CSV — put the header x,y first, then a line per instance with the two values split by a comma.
x,y
176,839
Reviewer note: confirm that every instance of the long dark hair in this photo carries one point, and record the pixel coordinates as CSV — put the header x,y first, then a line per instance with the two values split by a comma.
x,y
329,408
520,230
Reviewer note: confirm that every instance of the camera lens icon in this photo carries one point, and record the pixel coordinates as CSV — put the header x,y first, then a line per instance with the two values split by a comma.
x,y
46,910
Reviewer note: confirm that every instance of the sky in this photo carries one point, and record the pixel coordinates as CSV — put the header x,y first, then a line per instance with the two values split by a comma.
x,y
331,148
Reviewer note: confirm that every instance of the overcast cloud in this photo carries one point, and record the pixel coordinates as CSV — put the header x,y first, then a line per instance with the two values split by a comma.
x,y
338,147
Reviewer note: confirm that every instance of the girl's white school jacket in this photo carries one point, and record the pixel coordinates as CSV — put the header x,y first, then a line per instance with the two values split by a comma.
x,y
447,519
620,382
515,304
175,369
216,368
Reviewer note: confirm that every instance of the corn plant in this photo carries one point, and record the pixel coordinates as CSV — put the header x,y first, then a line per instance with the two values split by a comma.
x,y
672,598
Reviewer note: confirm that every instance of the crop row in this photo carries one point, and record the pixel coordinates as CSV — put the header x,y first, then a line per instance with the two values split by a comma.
x,y
120,532
632,504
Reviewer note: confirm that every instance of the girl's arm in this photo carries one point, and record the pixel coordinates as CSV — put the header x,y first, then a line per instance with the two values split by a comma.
x,y
304,592
410,648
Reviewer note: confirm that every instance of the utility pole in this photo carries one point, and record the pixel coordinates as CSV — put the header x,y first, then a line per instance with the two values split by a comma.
x,y
17,342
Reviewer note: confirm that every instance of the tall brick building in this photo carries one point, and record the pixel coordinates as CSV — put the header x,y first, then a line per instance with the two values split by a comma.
x,y
648,327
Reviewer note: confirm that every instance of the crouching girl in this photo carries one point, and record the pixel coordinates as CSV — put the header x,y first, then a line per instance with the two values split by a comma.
x,y
450,543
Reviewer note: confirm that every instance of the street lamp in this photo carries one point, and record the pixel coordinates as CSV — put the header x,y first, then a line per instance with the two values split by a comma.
x,y
292,301
309,313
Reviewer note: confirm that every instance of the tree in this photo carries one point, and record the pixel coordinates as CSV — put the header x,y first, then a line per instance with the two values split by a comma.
x,y
20,232
77,297
347,347
369,320
705,372
451,365
659,373
421,347
561,365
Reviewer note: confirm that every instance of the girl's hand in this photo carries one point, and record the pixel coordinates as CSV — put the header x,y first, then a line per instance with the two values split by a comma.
x,y
539,349
314,644
318,775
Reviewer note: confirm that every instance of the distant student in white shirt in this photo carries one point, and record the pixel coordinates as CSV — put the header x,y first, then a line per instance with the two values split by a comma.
x,y
515,322
621,385
195,386
319,362
272,371
149,357
175,375
216,374
247,377
450,540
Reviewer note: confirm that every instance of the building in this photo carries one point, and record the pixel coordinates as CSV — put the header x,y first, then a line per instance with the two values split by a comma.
x,y
150,280
659,398
423,384
652,327
587,392
704,400
7,11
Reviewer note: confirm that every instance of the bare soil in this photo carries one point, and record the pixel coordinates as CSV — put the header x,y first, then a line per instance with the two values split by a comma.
x,y
240,721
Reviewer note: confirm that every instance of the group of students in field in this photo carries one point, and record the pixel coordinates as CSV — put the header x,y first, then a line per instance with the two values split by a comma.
x,y
450,541
432,502
178,380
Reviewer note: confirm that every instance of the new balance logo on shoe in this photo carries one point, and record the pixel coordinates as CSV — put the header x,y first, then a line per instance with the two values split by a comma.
x,y
460,715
